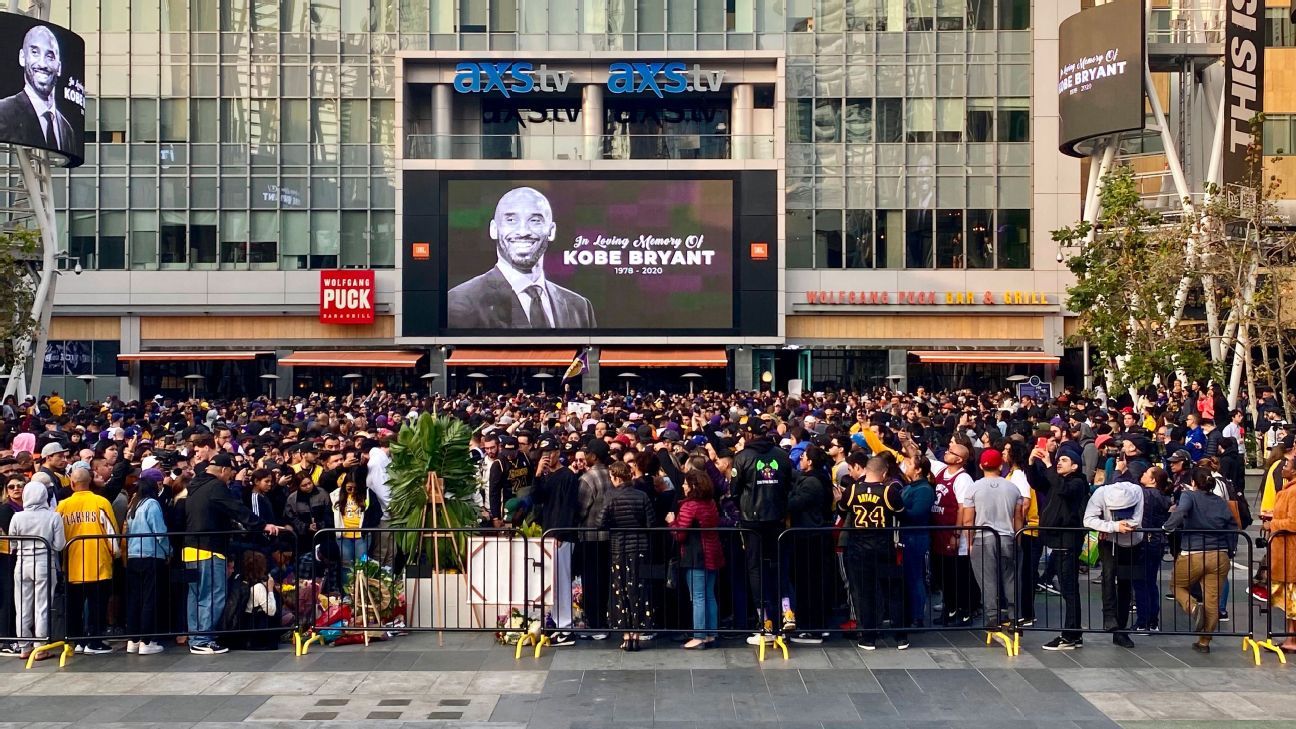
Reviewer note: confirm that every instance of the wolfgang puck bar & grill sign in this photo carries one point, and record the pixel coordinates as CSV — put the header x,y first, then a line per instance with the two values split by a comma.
x,y
346,297
931,298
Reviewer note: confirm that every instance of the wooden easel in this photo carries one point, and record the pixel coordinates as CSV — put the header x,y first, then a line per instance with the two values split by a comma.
x,y
435,487
363,601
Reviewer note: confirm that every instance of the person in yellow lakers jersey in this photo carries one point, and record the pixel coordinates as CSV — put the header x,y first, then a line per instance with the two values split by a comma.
x,y
89,561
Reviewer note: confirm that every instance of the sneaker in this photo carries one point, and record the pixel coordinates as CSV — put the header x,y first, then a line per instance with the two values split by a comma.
x,y
1259,591
866,644
207,649
98,648
646,637
902,642
557,639
1122,640
758,638
807,639
1170,596
79,649
1224,616
789,621
1201,647
1062,644
1025,622
132,646
148,649
1048,587
598,636
1197,616
9,649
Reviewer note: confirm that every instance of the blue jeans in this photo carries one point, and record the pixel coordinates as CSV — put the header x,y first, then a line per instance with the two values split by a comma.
x,y
353,550
915,577
206,599
701,584
1147,590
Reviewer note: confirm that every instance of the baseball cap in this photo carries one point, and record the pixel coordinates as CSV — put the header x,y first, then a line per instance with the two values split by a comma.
x,y
547,443
52,448
1179,456
222,460
991,459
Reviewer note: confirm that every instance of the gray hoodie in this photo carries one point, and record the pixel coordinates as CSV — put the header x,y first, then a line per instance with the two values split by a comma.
x,y
1120,496
37,520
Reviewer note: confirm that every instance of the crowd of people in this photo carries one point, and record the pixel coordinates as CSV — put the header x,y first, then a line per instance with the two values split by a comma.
x,y
874,513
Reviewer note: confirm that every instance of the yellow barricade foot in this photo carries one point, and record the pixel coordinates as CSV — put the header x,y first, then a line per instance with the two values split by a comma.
x,y
1267,644
314,638
777,641
64,648
1011,641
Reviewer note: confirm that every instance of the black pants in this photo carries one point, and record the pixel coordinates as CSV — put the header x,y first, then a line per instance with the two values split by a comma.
x,y
87,607
762,566
1067,564
958,586
875,585
595,567
8,613
1028,576
1118,570
144,577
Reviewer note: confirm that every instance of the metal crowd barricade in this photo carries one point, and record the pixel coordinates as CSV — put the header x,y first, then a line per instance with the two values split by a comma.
x,y
1281,593
891,582
31,616
173,585
1076,581
596,582
436,580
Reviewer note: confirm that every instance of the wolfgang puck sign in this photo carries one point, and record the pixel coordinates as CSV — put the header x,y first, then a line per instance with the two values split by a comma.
x,y
346,297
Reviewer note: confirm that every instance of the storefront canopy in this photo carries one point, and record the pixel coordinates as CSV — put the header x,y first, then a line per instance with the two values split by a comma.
x,y
367,358
985,357
610,357
472,357
187,356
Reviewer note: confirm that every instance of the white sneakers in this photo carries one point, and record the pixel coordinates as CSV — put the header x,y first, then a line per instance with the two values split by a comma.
x,y
143,648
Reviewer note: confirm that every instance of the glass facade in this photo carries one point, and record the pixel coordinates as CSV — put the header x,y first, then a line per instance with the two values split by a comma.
x,y
260,134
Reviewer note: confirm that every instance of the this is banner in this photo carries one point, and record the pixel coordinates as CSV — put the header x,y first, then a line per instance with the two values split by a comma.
x,y
1243,85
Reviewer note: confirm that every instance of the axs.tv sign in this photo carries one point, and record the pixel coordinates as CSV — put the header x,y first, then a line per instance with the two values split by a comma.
x,y
650,77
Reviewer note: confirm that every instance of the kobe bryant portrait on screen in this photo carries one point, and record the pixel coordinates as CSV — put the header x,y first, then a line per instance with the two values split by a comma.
x,y
515,294
31,117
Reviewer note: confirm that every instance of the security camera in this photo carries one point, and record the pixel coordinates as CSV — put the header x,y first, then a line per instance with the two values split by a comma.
x,y
1059,257
77,269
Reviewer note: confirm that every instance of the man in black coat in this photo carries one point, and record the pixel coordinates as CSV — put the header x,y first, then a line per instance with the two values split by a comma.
x,y
210,507
31,117
762,475
515,294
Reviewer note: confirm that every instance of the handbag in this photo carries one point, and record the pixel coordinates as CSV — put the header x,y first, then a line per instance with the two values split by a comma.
x,y
672,573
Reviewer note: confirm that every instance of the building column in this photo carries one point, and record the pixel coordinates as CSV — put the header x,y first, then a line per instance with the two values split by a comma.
x,y
898,365
742,102
129,341
284,386
590,380
442,116
742,359
592,121
437,366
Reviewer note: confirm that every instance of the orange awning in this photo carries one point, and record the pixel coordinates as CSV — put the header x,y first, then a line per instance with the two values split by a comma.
x,y
366,358
473,357
663,358
187,356
985,357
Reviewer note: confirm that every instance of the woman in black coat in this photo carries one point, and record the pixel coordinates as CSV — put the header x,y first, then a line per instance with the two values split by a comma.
x,y
628,511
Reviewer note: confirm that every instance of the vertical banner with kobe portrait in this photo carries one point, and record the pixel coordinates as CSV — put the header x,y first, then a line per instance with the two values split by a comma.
x,y
553,255
42,87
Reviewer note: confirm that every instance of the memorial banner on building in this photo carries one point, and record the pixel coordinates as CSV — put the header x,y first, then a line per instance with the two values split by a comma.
x,y
1243,85
42,86
1101,56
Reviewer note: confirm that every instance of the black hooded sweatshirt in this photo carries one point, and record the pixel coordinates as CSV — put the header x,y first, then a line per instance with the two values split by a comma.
x,y
761,480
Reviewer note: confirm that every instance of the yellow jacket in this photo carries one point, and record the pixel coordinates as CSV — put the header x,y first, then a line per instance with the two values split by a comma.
x,y
87,514
56,405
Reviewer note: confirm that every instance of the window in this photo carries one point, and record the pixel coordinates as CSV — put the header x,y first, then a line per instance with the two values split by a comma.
x,y
889,123
918,239
1013,235
1278,29
1014,120
950,14
1014,14
949,120
919,120
980,14
1278,134
173,246
949,239
827,120
828,238
980,239
919,14
859,239
859,121
887,237
980,120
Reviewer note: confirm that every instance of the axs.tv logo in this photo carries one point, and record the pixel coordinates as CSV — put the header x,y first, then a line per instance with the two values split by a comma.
x,y
520,77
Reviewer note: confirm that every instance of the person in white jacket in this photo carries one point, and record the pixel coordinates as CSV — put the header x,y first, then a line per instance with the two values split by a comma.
x,y
1115,511
36,570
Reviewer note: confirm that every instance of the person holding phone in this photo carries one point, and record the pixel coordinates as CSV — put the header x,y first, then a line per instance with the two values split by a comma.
x,y
1115,511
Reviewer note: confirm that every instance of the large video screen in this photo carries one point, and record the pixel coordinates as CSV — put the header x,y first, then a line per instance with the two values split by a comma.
x,y
552,255
42,86
1100,73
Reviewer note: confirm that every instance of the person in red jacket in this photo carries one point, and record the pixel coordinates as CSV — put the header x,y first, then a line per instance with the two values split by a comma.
x,y
701,555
